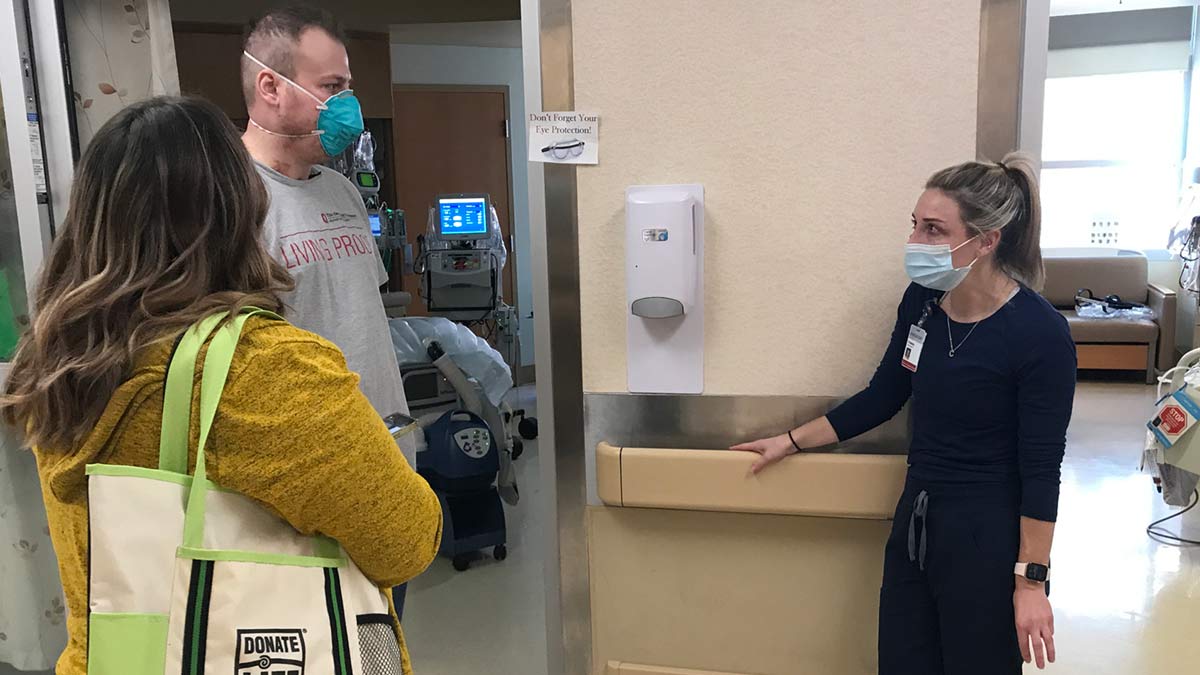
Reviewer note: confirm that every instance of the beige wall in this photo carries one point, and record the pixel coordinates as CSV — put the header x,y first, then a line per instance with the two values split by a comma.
x,y
812,126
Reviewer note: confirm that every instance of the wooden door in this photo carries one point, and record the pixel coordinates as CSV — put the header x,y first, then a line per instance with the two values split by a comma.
x,y
448,140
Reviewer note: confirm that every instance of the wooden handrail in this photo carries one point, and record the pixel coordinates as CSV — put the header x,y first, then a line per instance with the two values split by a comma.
x,y
811,484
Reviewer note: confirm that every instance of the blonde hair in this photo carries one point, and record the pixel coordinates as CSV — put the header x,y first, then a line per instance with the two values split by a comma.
x,y
163,229
1003,197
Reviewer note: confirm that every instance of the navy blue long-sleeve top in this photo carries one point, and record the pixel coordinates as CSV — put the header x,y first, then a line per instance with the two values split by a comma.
x,y
996,412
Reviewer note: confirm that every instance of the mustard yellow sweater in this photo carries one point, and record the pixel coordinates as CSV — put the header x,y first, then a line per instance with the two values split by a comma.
x,y
293,431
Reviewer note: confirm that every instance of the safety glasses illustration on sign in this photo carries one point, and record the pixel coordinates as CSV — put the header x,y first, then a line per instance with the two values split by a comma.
x,y
564,149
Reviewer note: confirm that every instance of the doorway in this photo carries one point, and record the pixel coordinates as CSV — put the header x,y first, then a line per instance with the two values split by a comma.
x,y
456,85
452,139
491,618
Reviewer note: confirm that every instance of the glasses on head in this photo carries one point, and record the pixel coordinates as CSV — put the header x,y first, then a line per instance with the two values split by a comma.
x,y
564,149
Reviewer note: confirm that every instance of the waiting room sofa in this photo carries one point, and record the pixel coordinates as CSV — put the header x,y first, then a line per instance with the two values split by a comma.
x,y
1113,344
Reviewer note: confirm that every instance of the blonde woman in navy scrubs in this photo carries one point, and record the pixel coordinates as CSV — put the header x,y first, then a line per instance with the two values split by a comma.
x,y
990,368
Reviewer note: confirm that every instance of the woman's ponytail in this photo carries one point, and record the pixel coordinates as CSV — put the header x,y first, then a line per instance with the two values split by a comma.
x,y
1020,250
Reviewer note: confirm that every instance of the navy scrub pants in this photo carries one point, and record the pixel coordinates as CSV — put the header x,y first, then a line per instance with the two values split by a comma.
x,y
946,606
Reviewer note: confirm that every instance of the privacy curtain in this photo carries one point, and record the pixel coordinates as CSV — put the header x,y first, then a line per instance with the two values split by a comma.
x,y
32,616
122,51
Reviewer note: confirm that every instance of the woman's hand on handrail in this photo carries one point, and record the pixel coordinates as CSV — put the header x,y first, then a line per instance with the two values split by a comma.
x,y
815,434
769,450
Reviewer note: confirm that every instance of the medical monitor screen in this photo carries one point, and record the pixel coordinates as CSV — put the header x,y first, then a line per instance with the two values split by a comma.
x,y
376,228
463,217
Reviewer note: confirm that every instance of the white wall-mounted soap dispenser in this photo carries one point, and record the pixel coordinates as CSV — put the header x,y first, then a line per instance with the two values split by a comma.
x,y
664,280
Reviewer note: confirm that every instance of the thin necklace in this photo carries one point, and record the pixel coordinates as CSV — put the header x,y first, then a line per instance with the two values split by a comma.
x,y
950,336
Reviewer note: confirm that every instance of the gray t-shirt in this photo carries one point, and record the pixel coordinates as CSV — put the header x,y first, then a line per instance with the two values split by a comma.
x,y
318,230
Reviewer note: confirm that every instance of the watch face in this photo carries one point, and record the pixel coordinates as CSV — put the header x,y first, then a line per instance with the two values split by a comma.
x,y
1036,572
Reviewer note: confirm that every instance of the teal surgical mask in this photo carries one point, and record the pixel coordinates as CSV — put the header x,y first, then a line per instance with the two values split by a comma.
x,y
339,123
932,265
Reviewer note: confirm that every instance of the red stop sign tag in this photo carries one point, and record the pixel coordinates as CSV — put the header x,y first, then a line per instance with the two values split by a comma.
x,y
1174,419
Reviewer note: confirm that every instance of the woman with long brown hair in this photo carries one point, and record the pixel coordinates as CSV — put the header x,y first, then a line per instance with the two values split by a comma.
x,y
163,230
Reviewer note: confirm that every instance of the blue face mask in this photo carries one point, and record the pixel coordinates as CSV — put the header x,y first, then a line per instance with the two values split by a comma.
x,y
339,123
932,265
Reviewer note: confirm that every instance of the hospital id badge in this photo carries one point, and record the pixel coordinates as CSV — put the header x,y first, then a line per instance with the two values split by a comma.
x,y
912,349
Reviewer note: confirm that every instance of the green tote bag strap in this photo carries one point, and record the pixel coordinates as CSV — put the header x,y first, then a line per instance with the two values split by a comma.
x,y
177,401
212,385
217,362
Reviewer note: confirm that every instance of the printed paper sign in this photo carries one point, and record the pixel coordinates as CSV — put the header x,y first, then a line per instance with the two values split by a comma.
x,y
564,138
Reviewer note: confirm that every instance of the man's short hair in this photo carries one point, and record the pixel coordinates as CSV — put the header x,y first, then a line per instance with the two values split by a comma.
x,y
272,39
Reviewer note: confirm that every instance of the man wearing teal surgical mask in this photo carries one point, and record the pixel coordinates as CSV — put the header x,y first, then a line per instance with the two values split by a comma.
x,y
296,80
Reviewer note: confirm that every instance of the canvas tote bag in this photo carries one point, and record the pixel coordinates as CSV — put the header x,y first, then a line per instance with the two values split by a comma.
x,y
187,578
